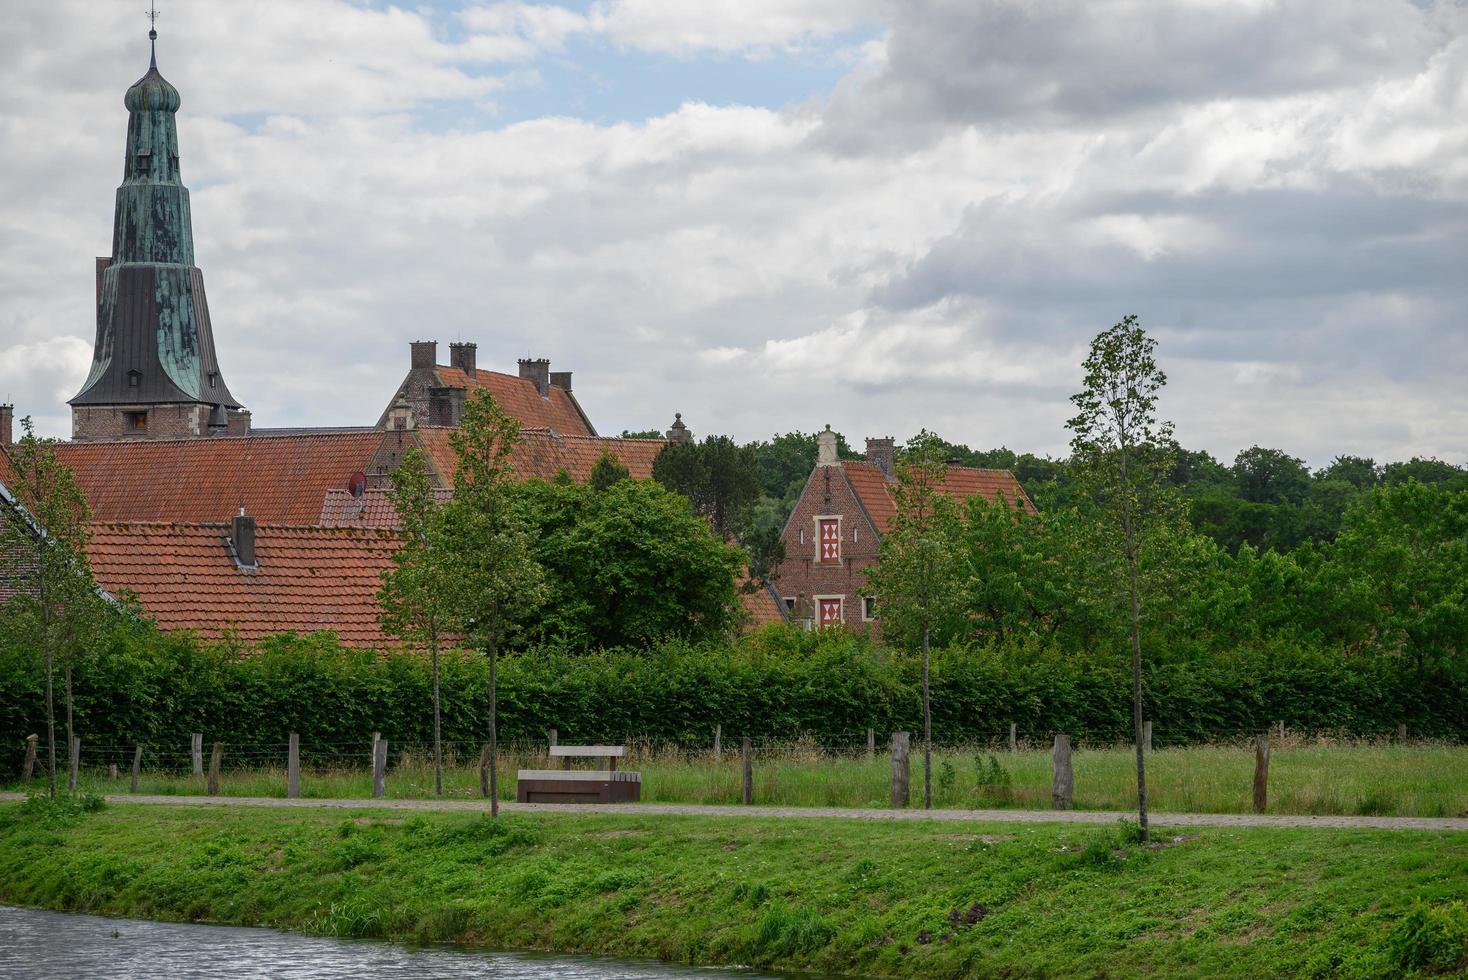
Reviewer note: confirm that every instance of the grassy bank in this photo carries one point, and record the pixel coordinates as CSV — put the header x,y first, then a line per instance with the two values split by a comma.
x,y
833,896
1373,778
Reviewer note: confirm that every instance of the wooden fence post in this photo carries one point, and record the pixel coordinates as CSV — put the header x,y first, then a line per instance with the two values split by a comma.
x,y
379,768
112,771
871,744
198,753
748,753
137,768
1063,785
1147,736
1261,773
214,758
293,768
28,768
553,737
1402,733
901,772
719,743
76,761
1279,727
484,770
1013,737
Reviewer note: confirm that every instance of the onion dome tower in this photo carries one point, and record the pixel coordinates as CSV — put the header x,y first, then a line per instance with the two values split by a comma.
x,y
154,371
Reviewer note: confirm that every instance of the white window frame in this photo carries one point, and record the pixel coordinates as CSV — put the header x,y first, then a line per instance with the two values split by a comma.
x,y
816,536
840,597
864,601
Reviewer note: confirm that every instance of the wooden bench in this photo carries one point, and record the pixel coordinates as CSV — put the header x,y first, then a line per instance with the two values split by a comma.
x,y
567,785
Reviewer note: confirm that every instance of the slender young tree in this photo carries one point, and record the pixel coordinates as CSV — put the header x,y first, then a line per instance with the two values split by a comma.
x,y
416,590
496,580
1122,455
43,539
916,580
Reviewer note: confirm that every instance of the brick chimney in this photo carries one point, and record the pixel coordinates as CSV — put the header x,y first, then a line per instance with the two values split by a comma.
x,y
446,405
826,448
242,540
537,369
425,353
462,356
561,379
679,432
7,425
882,453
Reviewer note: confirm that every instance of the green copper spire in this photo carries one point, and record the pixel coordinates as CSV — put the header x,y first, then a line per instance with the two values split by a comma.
x,y
154,341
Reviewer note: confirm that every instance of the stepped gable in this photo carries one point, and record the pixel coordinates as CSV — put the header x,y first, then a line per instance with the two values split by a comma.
x,y
188,577
277,479
542,454
874,490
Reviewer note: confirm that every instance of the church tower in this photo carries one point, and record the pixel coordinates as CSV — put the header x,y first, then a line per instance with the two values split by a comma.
x,y
154,373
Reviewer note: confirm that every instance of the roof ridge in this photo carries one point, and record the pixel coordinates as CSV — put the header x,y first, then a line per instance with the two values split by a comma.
x,y
215,440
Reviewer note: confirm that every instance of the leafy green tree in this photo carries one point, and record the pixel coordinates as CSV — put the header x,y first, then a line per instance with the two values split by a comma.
x,y
1426,470
1359,471
609,470
1396,579
642,434
416,591
629,566
1269,476
496,580
719,477
1122,454
916,580
43,541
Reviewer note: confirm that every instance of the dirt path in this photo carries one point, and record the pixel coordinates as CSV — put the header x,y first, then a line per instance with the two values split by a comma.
x,y
801,812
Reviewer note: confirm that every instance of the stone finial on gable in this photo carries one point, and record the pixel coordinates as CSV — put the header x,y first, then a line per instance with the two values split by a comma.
x,y
826,448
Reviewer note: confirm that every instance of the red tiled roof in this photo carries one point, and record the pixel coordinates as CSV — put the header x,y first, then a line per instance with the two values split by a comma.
x,y
542,454
762,606
372,509
961,481
278,479
521,399
308,578
7,470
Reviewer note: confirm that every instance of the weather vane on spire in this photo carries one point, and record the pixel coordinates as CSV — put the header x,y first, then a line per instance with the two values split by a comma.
x,y
152,35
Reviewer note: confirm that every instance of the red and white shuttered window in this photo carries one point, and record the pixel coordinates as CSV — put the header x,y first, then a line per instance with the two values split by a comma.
x,y
828,611
828,540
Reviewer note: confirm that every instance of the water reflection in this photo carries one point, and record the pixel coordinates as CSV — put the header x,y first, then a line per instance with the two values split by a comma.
x,y
34,943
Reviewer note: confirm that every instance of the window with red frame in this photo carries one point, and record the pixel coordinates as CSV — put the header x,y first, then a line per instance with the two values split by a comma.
x,y
829,535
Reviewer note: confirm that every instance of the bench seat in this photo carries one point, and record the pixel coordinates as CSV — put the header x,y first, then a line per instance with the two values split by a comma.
x,y
577,786
583,775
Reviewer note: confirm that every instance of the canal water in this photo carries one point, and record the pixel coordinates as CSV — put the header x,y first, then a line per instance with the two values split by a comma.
x,y
42,944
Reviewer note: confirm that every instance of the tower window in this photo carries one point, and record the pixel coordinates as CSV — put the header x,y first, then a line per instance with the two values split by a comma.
x,y
213,377
134,378
137,421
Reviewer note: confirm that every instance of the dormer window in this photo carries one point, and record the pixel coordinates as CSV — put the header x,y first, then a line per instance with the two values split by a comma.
x,y
213,379
134,379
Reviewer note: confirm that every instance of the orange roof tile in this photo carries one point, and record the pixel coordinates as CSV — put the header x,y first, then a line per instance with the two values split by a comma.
x,y
542,454
963,482
278,479
308,578
763,606
521,399
8,475
372,509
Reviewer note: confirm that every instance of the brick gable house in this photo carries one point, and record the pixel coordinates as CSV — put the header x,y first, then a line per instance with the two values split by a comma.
x,y
835,529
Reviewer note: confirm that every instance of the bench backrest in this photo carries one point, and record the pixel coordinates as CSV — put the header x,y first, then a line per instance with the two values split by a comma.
x,y
588,751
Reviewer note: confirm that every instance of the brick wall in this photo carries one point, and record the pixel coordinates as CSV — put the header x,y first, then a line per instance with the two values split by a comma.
x,y
93,423
828,493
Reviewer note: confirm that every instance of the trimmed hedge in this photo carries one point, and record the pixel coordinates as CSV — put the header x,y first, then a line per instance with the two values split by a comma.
x,y
155,689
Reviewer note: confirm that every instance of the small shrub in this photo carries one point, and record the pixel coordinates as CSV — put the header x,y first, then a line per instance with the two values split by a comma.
x,y
994,781
947,777
1431,938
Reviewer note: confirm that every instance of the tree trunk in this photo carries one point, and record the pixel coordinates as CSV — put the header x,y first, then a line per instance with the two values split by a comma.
x,y
1137,716
50,704
494,788
927,730
71,763
437,733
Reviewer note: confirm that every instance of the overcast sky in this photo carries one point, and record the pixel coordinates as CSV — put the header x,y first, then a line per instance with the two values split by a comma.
x,y
777,214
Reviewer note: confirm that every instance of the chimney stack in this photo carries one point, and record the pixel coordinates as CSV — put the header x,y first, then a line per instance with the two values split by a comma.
x,y
561,379
826,448
425,353
242,537
7,425
882,453
462,356
537,369
679,433
446,406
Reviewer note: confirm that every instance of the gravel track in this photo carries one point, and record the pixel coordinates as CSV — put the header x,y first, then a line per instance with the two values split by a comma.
x,y
801,812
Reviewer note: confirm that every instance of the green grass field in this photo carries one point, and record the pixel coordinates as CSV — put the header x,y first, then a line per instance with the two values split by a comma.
x,y
1424,780
850,897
